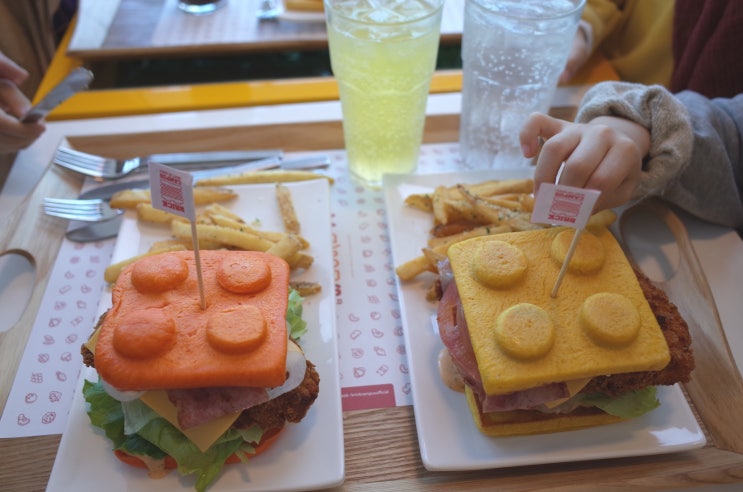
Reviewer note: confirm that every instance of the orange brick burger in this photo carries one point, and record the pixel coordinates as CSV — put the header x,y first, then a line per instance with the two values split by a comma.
x,y
191,388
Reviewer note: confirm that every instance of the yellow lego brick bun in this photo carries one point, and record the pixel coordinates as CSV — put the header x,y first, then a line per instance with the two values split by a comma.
x,y
599,323
588,257
498,264
610,319
525,331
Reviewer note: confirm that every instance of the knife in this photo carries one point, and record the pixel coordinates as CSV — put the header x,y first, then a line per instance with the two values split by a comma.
x,y
185,160
75,81
105,192
95,231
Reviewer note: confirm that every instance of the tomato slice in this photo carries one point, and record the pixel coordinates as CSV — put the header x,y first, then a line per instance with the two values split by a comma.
x,y
170,464
132,460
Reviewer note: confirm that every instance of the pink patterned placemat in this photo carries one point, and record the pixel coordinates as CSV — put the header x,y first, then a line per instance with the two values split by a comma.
x,y
373,363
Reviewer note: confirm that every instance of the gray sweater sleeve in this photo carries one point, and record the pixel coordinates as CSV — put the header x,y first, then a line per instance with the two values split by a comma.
x,y
696,146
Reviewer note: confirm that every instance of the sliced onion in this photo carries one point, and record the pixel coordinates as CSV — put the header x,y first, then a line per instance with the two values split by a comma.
x,y
296,366
119,394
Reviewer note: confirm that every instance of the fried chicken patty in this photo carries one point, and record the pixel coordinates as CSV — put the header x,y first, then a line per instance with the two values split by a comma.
x,y
677,336
292,406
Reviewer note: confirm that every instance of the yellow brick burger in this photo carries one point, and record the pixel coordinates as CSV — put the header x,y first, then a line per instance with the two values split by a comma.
x,y
532,363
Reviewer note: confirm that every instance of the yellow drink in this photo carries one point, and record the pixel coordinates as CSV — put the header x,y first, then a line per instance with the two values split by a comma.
x,y
383,58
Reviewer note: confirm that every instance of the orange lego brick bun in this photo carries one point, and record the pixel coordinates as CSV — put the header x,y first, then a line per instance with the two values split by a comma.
x,y
156,336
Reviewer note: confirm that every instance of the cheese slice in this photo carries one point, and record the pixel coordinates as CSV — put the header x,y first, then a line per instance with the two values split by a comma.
x,y
204,435
574,386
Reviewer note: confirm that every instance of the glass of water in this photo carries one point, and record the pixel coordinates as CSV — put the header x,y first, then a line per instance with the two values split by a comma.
x,y
513,52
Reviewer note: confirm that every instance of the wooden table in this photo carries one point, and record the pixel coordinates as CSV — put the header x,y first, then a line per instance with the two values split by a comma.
x,y
125,30
116,29
381,447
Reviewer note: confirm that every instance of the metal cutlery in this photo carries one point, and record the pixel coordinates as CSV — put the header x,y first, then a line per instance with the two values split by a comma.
x,y
94,210
109,168
311,162
74,82
104,229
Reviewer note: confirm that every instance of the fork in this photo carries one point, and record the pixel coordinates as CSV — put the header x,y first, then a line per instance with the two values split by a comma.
x,y
109,168
95,210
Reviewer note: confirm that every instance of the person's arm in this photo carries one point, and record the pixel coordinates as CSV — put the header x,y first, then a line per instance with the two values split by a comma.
x,y
695,153
598,20
14,135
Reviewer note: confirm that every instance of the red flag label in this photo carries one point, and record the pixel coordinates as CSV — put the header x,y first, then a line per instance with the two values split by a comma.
x,y
563,205
172,190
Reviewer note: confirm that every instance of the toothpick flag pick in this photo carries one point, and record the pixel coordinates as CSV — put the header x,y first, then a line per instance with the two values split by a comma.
x,y
566,206
171,190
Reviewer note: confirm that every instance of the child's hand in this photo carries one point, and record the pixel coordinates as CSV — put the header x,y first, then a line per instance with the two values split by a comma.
x,y
605,154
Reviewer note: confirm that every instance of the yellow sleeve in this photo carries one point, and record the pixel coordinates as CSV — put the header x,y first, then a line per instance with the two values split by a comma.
x,y
603,16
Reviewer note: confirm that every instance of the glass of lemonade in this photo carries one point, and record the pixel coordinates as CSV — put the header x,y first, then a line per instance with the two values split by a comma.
x,y
513,52
383,54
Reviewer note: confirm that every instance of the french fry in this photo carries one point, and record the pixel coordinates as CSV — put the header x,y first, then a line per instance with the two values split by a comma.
x,y
486,230
255,177
523,223
273,236
438,205
305,288
452,228
601,220
129,198
225,221
187,243
112,272
434,256
514,205
301,261
219,209
286,207
147,213
286,248
412,268
484,210
204,195
223,235
464,211
218,227
422,202
201,196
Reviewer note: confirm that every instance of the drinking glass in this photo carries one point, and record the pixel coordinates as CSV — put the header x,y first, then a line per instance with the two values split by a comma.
x,y
513,52
383,54
200,7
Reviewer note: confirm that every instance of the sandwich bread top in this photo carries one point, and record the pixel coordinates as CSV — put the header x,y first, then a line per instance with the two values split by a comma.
x,y
156,336
599,323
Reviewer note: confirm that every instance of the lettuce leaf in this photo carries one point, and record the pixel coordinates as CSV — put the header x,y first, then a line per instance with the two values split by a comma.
x,y
295,324
107,414
626,406
156,437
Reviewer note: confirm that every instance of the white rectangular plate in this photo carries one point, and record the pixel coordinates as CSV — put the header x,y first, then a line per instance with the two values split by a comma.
x,y
447,434
309,455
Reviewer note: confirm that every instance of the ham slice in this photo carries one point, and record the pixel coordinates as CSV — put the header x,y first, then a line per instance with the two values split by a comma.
x,y
455,336
200,405
196,406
